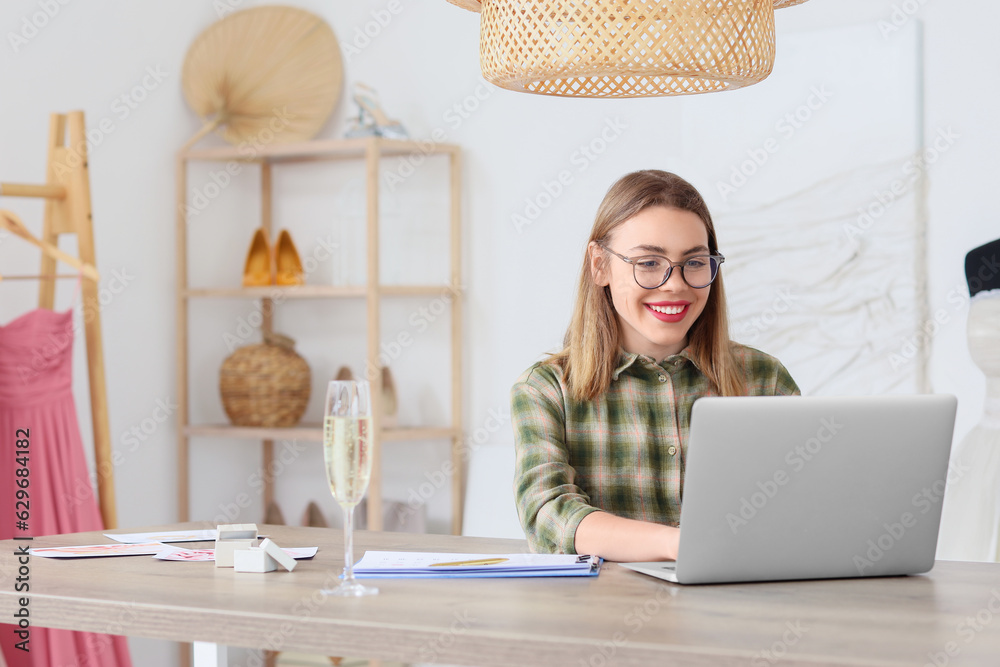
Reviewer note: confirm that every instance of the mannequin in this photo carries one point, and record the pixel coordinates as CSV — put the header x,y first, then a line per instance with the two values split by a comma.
x,y
970,520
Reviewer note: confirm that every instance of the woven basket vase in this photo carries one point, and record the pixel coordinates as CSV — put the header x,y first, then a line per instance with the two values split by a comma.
x,y
266,384
618,48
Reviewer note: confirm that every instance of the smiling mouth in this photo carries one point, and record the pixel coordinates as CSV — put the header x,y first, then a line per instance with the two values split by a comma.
x,y
667,310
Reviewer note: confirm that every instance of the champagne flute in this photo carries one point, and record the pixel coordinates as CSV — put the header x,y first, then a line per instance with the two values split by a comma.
x,y
347,451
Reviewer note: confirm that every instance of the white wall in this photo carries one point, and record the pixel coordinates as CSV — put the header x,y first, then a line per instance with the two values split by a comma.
x,y
520,281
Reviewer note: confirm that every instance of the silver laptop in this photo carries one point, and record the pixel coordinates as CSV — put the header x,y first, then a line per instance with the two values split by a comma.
x,y
796,487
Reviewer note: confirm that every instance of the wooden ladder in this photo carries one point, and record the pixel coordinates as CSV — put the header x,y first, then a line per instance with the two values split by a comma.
x,y
66,192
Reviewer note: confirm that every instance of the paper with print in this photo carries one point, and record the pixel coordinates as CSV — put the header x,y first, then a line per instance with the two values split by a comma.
x,y
200,555
95,550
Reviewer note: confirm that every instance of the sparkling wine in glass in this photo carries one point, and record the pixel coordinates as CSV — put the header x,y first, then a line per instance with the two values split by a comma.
x,y
347,451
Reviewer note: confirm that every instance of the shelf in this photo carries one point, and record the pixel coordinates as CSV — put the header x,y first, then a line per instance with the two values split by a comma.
x,y
417,433
371,294
331,149
417,290
313,291
311,432
274,291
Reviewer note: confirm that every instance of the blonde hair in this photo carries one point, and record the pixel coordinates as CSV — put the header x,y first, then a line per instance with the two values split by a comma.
x,y
593,340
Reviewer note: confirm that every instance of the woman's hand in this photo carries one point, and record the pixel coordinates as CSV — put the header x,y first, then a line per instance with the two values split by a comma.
x,y
616,539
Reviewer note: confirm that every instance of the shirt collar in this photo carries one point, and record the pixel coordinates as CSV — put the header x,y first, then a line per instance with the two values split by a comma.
x,y
628,359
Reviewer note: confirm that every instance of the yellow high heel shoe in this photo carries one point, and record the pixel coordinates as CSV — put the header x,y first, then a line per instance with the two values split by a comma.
x,y
258,270
287,263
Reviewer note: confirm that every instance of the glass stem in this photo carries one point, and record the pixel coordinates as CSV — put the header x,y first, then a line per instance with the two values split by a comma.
x,y
349,544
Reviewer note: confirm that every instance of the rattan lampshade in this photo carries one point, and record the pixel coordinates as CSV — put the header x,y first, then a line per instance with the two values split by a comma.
x,y
476,5
269,73
623,48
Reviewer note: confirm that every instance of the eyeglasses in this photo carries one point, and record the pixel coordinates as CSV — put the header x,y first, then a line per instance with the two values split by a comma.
x,y
651,271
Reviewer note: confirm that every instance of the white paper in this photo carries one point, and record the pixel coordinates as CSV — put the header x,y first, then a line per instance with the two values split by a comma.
x,y
167,536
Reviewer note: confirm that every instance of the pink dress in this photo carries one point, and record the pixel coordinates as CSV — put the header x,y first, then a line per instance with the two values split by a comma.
x,y
36,351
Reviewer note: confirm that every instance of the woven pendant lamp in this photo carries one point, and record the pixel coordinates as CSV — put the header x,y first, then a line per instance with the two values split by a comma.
x,y
269,73
625,48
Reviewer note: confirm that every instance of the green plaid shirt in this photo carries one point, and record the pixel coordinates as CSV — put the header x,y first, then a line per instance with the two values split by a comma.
x,y
624,452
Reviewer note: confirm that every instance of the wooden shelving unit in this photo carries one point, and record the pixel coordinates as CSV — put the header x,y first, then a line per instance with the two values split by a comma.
x,y
311,432
314,291
367,151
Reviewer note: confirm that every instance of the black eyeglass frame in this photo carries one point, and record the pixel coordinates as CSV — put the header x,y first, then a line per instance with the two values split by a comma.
x,y
720,258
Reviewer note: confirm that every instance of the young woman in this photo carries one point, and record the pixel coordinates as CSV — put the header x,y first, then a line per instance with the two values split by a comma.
x,y
601,427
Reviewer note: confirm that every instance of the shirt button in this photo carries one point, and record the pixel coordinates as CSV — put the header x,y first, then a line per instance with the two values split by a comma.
x,y
663,378
671,450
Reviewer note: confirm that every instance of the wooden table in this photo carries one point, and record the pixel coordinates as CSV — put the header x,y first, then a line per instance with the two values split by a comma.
x,y
949,617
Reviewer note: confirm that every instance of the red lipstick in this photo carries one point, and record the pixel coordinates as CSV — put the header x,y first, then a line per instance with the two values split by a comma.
x,y
671,306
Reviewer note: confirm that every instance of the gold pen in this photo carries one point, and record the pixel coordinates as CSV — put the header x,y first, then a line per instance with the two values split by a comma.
x,y
483,561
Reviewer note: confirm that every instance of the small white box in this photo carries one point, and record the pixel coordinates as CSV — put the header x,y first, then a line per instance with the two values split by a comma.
x,y
254,559
230,531
224,550
233,537
275,552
